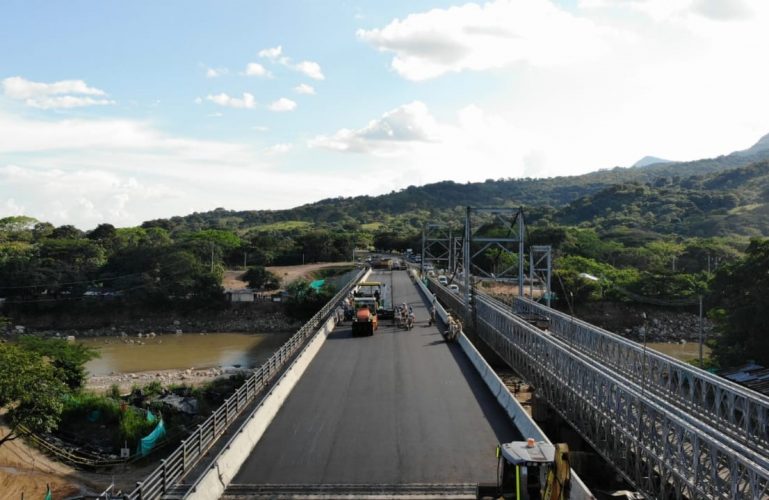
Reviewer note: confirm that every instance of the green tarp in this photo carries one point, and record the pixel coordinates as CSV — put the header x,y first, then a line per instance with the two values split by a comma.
x,y
148,442
317,284
151,418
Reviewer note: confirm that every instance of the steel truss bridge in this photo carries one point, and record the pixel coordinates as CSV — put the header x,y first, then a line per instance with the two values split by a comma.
x,y
672,430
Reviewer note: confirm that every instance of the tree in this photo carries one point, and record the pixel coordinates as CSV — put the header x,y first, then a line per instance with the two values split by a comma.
x,y
67,358
29,392
260,278
16,228
67,232
103,232
739,292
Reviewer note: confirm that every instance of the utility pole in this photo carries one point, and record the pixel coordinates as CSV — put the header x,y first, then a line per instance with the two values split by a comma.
x,y
212,257
701,332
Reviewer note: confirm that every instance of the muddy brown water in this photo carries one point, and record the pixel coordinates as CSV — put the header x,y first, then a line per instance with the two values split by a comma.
x,y
189,350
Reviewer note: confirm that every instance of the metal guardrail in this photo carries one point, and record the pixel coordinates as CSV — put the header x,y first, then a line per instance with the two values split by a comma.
x,y
186,456
740,413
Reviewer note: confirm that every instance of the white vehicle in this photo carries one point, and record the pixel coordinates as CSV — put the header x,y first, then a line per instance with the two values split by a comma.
x,y
454,288
443,280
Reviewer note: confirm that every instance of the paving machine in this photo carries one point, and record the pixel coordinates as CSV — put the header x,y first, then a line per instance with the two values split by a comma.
x,y
383,295
364,321
533,470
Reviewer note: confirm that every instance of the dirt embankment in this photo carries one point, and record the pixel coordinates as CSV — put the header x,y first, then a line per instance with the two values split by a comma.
x,y
25,471
233,279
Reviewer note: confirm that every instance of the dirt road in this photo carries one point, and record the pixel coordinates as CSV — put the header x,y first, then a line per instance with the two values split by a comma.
x,y
233,279
25,471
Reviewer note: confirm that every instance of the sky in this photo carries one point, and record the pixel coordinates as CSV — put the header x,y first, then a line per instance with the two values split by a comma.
x,y
122,112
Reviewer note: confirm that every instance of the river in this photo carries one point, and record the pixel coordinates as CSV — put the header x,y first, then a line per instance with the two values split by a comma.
x,y
189,350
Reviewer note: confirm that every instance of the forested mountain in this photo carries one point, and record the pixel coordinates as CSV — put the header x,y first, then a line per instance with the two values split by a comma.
x,y
712,197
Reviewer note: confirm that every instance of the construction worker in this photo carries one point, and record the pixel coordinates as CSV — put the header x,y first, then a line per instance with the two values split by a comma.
x,y
433,313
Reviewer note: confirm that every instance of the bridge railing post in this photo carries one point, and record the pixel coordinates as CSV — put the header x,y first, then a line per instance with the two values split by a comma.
x,y
164,482
200,439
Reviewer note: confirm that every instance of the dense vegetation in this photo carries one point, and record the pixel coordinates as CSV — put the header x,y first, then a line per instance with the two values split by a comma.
x,y
36,378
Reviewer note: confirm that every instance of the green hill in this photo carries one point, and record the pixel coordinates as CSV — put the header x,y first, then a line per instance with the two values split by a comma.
x,y
717,196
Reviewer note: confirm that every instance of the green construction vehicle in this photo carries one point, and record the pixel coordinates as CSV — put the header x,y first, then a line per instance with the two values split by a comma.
x,y
534,470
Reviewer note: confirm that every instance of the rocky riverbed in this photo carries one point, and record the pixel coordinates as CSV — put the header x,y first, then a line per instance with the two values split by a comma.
x,y
189,376
635,321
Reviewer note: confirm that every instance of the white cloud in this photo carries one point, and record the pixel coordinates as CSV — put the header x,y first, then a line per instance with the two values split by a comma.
x,y
282,104
310,69
279,148
198,100
480,37
88,171
407,123
475,146
662,10
246,102
305,89
271,53
216,72
256,69
61,94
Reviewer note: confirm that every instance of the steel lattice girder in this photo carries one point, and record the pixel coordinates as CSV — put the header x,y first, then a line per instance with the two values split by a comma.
x,y
735,411
659,452
476,244
436,243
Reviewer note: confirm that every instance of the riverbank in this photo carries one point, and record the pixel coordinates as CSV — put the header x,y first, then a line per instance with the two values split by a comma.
x,y
265,317
190,376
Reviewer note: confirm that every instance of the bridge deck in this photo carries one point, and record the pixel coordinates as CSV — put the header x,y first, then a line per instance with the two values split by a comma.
x,y
396,408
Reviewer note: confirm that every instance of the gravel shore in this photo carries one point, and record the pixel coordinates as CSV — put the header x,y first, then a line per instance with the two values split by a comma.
x,y
189,376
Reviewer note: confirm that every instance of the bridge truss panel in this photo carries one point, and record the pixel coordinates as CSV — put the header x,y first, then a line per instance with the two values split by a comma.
x,y
663,455
739,413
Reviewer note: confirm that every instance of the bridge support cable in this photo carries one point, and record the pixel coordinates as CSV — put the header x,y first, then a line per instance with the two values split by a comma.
x,y
166,477
662,454
741,414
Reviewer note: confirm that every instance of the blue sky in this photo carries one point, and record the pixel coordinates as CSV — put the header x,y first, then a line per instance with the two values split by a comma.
x,y
126,111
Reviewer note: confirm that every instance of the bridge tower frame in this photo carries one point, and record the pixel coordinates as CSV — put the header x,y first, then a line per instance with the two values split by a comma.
x,y
436,244
541,268
510,219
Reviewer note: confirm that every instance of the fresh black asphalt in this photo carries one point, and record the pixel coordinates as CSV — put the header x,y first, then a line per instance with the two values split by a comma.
x,y
401,407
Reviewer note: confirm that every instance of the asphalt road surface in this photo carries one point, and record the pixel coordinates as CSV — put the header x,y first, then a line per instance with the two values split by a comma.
x,y
401,407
